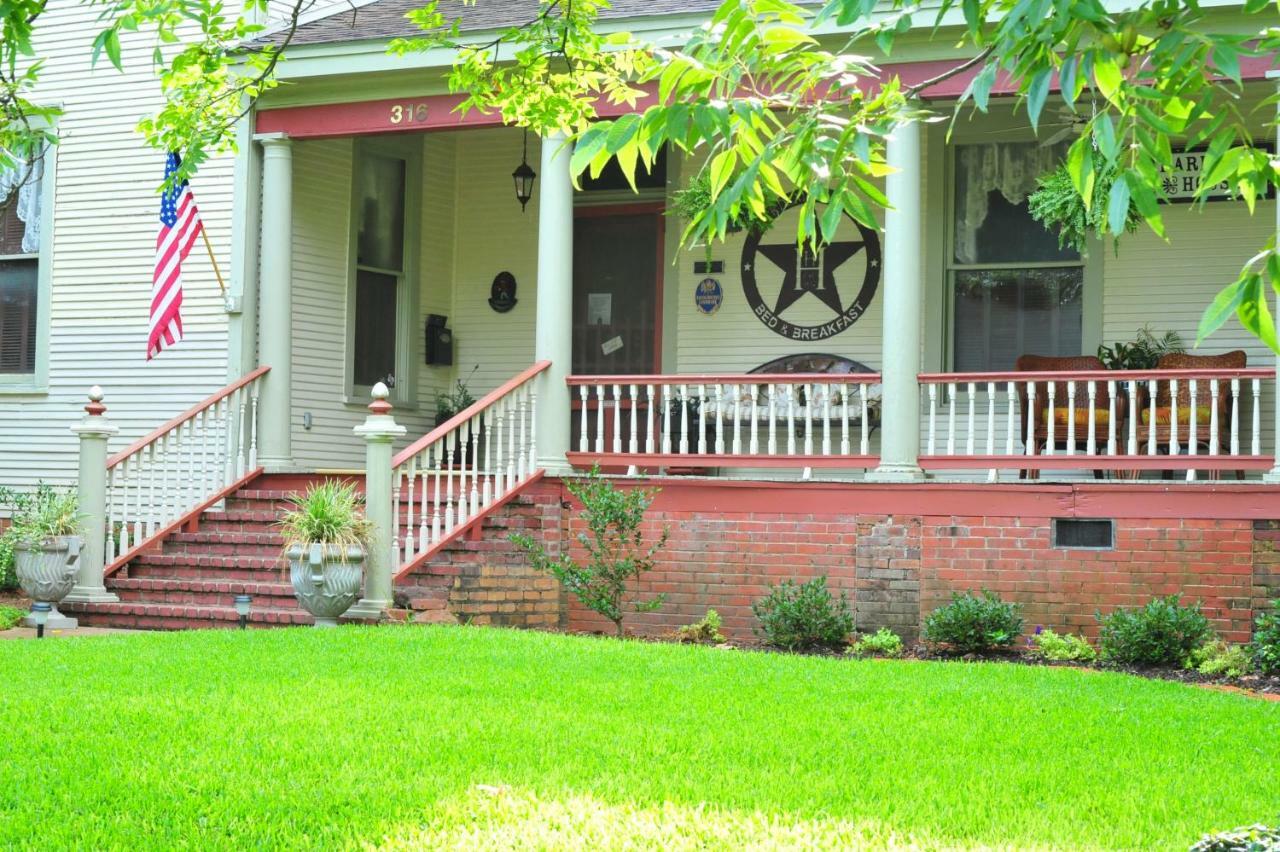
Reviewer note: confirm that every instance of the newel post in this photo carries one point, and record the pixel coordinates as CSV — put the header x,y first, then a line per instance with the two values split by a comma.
x,y
379,430
94,431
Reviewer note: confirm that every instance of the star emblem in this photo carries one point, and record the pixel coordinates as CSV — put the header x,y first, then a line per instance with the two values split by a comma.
x,y
808,271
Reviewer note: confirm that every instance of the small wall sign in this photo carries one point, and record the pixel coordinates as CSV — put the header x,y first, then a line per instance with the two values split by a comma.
x,y
612,345
502,294
708,296
1181,182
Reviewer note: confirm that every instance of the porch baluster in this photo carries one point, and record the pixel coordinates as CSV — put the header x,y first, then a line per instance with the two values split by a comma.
x,y
533,428
808,420
1235,417
648,420
755,426
666,419
474,429
737,419
1091,442
1191,431
409,548
1133,417
702,419
1031,418
600,419
1214,448
451,447
511,414
489,484
523,467
991,418
124,508
845,390
972,390
1010,429
1151,418
1051,390
773,419
718,412
1257,416
684,419
1111,417
793,393
423,529
951,418
582,418
498,464
635,419
109,545
617,419
826,420
933,418
437,464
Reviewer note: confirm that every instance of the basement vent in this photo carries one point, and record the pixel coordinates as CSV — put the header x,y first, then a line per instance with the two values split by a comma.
x,y
1077,534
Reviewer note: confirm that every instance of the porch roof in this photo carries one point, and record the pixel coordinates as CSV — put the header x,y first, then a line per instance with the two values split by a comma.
x,y
385,19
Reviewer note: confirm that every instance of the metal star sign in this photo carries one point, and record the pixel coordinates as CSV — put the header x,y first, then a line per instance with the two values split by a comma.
x,y
818,271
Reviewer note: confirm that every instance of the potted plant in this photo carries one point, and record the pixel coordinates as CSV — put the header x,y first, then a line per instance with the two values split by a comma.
x,y
1057,205
46,535
1144,353
696,199
325,536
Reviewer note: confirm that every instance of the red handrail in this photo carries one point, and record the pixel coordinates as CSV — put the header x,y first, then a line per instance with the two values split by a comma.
x,y
728,378
1098,375
466,414
156,434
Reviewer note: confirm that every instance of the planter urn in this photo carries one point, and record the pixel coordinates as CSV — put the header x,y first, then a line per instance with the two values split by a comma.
x,y
326,579
47,572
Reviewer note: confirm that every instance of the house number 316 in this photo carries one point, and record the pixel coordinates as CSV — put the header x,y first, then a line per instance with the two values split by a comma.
x,y
408,113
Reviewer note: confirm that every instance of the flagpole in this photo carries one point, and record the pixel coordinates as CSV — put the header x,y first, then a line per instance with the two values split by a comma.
x,y
217,272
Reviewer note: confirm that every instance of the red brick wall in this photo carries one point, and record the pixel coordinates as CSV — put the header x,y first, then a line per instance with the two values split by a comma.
x,y
1062,589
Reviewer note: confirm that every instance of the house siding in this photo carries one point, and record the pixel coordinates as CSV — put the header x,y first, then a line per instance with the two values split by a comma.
x,y
103,229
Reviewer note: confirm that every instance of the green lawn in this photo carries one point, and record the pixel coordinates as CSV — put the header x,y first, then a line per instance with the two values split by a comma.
x,y
441,736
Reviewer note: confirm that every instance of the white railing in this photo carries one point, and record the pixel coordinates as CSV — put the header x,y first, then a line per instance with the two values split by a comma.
x,y
1122,420
748,420
160,480
447,480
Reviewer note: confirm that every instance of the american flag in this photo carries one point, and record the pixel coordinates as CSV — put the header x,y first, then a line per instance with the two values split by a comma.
x,y
180,227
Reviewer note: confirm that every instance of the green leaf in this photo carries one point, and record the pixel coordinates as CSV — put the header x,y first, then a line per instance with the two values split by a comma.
x,y
1037,93
1108,77
1118,207
722,170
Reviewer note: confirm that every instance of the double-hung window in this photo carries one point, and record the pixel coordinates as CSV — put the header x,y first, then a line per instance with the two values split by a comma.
x,y
380,302
23,299
1013,290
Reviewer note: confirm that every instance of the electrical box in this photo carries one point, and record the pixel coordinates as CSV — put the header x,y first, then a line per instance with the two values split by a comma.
x,y
439,341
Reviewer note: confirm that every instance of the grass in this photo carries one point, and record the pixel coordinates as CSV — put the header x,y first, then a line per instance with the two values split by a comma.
x,y
427,737
10,616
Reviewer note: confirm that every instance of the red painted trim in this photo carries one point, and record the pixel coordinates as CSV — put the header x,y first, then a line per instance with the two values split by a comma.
x,y
174,525
430,553
730,378
463,416
1062,461
1096,375
185,416
786,501
703,460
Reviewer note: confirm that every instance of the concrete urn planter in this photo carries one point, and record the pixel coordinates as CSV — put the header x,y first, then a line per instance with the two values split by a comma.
x,y
326,579
48,571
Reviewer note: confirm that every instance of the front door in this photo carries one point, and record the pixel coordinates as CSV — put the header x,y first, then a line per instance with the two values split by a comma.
x,y
616,292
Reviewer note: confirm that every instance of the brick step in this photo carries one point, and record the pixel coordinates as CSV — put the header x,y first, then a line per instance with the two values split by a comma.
x,y
203,592
215,543
143,615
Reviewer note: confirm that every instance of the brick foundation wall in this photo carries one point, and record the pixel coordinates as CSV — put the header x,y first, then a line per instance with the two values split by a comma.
x,y
894,567
1208,560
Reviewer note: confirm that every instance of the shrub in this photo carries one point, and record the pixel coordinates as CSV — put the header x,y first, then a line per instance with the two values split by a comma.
x,y
329,513
1218,659
883,643
705,631
1062,647
1266,640
801,616
9,617
1255,838
45,514
614,544
1164,632
972,623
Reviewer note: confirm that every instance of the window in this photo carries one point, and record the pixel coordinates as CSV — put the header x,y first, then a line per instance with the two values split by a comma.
x,y
1013,290
380,302
20,308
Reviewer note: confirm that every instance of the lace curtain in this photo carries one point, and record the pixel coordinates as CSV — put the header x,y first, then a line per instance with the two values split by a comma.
x,y
26,179
1009,167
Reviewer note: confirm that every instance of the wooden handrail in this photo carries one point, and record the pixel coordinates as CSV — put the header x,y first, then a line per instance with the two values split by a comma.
x,y
729,378
1097,375
466,414
156,434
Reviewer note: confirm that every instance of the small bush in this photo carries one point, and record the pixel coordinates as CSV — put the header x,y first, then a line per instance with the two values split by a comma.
x,y
1266,640
972,623
801,616
702,632
615,546
329,513
9,617
1062,647
1162,633
883,643
1255,838
1218,659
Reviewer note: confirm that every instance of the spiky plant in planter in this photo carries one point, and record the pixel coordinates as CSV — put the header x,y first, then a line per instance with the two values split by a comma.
x,y
46,542
325,535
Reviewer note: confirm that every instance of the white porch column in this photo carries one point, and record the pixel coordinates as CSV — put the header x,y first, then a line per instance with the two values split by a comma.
x,y
553,334
1273,475
903,310
379,430
275,312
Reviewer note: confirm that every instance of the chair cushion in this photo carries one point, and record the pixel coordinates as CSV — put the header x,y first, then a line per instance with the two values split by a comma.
x,y
1164,415
1101,416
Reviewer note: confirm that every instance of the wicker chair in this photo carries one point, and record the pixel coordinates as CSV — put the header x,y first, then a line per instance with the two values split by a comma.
x,y
1166,411
1040,428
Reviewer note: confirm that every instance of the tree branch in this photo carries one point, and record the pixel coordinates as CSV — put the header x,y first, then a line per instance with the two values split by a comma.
x,y
915,90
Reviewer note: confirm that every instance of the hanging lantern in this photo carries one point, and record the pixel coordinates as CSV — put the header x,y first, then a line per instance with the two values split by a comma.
x,y
524,175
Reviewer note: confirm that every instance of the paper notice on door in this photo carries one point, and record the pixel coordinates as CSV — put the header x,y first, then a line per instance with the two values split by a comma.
x,y
612,345
600,309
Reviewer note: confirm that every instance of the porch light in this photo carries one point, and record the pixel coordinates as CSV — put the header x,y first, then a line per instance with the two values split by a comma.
x,y
524,176
40,615
243,604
